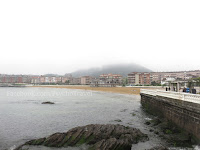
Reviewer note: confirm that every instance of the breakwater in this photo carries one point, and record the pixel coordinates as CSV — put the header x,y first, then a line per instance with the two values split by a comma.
x,y
181,108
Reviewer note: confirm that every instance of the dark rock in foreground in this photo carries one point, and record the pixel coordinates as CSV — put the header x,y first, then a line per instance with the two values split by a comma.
x,y
99,137
48,102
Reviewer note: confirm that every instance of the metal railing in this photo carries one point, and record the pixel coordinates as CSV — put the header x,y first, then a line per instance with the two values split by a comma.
x,y
195,98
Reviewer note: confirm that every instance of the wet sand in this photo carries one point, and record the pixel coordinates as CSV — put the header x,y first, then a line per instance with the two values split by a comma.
x,y
121,90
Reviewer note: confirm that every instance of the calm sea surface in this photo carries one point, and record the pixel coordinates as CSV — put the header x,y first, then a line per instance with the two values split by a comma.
x,y
23,117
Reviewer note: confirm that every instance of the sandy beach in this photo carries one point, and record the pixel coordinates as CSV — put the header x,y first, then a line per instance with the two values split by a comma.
x,y
121,90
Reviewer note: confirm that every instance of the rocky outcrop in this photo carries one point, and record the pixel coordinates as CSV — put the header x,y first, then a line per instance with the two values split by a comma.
x,y
98,137
48,102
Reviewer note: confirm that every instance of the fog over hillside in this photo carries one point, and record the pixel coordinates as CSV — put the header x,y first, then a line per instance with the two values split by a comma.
x,y
122,69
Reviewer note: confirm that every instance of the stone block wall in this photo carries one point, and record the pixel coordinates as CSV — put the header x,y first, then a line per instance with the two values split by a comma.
x,y
184,114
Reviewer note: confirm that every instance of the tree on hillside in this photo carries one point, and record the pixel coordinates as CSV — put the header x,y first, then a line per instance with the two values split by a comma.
x,y
67,82
155,83
190,84
194,82
124,81
197,80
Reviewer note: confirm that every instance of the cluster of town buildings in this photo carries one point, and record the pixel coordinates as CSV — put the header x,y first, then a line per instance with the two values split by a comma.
x,y
103,80
134,78
142,78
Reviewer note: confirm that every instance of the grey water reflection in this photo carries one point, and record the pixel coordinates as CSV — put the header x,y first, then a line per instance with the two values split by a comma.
x,y
23,117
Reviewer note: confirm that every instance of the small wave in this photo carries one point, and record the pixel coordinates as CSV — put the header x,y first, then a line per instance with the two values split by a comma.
x,y
147,118
197,147
12,147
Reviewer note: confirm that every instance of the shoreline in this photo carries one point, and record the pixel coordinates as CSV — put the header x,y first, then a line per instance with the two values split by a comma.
x,y
120,90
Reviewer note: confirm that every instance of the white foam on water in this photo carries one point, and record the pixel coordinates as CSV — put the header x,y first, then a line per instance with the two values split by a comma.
x,y
12,147
197,147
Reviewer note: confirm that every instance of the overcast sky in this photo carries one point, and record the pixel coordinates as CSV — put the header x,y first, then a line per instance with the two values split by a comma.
x,y
45,36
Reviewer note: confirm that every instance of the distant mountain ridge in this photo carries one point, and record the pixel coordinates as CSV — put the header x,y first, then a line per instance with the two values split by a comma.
x,y
122,69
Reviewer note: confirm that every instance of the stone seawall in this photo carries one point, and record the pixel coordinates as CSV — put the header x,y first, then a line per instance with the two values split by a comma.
x,y
184,114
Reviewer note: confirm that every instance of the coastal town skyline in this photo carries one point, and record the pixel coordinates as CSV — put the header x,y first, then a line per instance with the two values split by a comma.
x,y
105,80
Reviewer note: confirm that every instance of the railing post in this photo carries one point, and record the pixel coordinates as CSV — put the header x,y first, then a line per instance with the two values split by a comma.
x,y
183,97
